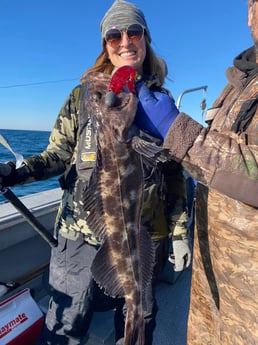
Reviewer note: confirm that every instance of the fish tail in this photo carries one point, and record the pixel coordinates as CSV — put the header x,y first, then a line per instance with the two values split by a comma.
x,y
135,328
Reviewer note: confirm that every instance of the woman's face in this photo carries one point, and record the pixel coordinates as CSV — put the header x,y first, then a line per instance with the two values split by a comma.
x,y
128,52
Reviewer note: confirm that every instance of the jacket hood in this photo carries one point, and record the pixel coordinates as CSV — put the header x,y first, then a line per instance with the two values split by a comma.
x,y
246,62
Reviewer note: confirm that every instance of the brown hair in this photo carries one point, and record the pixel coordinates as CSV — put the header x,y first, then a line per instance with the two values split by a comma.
x,y
152,65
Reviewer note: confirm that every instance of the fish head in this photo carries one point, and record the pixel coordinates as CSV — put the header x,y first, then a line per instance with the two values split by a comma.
x,y
117,114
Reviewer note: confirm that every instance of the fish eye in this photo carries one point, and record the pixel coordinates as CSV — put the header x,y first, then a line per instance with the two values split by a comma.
x,y
96,96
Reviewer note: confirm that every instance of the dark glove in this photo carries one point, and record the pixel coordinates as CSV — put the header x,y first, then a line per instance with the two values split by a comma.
x,y
5,170
156,111
10,176
181,257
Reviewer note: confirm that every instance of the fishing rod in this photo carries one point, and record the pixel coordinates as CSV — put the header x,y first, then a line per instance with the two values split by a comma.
x,y
16,202
41,230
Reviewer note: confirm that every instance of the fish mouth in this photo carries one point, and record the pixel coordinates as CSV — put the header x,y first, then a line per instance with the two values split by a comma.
x,y
97,92
121,100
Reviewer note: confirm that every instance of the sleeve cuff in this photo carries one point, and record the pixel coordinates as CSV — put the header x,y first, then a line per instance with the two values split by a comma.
x,y
181,136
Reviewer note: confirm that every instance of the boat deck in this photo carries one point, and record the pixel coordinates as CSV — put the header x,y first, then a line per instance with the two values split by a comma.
x,y
173,304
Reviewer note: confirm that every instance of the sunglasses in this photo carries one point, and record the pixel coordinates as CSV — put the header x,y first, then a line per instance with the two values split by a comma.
x,y
134,33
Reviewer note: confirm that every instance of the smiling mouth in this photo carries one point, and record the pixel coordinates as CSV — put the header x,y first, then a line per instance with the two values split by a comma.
x,y
127,54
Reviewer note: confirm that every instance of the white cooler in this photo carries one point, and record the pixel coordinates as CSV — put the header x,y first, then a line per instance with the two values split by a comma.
x,y
21,320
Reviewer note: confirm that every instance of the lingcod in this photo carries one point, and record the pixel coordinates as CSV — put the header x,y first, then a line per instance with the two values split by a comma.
x,y
124,262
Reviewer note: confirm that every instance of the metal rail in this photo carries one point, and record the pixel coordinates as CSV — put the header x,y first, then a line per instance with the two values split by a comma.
x,y
178,103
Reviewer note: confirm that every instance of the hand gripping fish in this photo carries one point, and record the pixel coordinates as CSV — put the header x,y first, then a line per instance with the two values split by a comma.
x,y
124,263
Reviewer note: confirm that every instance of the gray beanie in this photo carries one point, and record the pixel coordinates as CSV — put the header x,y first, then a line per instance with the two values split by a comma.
x,y
122,14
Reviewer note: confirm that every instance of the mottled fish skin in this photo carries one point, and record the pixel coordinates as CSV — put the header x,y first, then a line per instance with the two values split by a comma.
x,y
123,265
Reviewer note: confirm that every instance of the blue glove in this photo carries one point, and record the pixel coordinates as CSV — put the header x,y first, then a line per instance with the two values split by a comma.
x,y
156,111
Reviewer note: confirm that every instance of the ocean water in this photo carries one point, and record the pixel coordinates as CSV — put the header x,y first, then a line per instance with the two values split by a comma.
x,y
27,143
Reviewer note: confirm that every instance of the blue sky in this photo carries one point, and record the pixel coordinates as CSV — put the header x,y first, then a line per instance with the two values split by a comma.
x,y
52,42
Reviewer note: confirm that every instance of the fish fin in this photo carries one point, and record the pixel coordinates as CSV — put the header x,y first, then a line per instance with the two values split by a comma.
x,y
151,152
147,256
92,203
134,328
104,272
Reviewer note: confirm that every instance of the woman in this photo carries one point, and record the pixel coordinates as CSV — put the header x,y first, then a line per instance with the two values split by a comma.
x,y
74,294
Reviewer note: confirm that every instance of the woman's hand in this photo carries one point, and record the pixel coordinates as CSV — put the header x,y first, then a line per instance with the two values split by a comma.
x,y
5,170
156,111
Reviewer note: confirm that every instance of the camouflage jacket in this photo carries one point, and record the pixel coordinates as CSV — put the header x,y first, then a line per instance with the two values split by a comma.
x,y
163,211
224,159
224,155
